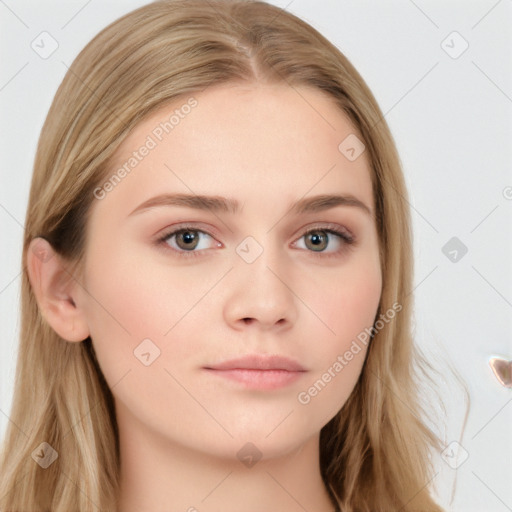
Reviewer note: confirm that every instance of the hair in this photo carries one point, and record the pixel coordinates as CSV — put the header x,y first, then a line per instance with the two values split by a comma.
x,y
375,453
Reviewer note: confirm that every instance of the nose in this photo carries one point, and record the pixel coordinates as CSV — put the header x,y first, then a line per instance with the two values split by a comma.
x,y
261,294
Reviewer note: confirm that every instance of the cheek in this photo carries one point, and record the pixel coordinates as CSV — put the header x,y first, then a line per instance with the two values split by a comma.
x,y
129,292
349,301
128,301
348,306
124,306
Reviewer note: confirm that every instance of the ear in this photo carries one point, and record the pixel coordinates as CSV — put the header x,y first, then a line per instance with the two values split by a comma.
x,y
55,290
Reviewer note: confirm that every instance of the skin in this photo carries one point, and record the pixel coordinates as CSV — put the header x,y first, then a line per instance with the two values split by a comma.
x,y
180,426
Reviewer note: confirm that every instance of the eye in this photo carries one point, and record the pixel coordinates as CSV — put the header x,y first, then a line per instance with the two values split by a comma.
x,y
187,239
323,241
328,241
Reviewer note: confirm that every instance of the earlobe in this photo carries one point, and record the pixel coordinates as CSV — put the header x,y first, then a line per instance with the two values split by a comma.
x,y
55,290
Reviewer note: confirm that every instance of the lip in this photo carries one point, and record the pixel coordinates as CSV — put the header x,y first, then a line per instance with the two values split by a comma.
x,y
259,362
264,372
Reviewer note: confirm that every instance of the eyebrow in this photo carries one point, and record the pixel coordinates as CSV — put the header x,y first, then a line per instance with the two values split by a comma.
x,y
228,205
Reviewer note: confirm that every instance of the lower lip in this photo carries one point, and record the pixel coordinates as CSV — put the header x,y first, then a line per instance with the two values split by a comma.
x,y
259,379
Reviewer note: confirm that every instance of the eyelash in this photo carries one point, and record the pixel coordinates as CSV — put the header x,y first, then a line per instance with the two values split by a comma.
x,y
346,239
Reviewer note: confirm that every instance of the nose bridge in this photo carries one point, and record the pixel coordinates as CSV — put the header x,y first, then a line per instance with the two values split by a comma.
x,y
259,291
258,260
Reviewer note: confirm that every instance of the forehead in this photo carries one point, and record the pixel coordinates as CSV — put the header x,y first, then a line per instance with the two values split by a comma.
x,y
244,140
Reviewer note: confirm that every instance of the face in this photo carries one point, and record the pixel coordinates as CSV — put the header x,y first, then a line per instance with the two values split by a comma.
x,y
176,290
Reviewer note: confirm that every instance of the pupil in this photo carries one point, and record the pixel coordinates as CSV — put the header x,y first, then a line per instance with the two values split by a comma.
x,y
188,240
317,239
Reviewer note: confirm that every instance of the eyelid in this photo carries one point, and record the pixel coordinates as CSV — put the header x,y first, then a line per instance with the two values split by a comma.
x,y
191,226
328,226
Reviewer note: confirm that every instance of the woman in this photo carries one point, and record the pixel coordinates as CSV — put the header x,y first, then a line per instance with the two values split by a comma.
x,y
216,296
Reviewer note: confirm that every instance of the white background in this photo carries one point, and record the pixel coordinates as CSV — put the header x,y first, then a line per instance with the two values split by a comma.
x,y
452,122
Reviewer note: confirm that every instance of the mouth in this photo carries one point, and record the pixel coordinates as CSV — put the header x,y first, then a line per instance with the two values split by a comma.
x,y
261,372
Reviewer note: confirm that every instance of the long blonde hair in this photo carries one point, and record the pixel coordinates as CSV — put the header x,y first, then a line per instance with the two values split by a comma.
x,y
375,452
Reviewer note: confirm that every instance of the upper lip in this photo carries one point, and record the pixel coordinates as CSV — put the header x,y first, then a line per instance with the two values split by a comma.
x,y
259,362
